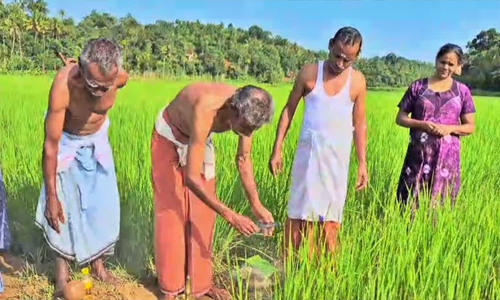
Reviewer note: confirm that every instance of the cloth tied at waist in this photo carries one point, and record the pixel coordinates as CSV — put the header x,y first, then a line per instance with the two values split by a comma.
x,y
208,167
73,147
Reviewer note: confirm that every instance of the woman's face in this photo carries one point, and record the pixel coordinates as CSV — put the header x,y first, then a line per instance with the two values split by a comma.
x,y
446,65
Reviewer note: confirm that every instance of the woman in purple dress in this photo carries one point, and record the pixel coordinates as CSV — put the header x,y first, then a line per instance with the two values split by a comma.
x,y
8,261
4,225
441,111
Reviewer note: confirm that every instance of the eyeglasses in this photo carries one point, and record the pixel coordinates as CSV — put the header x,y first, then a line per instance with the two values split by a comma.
x,y
92,85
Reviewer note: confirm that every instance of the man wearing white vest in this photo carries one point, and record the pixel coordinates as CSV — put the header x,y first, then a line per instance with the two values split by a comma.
x,y
334,110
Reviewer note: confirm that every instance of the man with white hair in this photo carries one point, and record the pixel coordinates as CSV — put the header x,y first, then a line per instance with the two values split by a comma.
x,y
79,209
183,174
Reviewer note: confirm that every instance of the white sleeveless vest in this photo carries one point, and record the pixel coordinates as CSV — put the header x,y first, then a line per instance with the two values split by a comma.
x,y
321,164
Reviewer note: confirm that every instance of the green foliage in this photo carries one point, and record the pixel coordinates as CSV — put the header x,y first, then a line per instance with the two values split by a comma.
x,y
392,71
30,37
382,254
482,68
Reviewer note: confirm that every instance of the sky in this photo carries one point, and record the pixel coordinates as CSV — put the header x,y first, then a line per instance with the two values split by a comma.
x,y
413,29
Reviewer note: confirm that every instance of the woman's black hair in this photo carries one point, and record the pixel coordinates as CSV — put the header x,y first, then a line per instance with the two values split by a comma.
x,y
451,48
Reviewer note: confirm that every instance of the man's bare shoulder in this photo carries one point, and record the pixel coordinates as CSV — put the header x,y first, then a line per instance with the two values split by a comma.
x,y
64,73
209,93
211,87
358,79
358,84
193,91
308,72
358,75
59,92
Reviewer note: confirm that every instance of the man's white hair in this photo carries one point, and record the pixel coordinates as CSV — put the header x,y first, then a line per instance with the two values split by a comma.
x,y
104,52
254,105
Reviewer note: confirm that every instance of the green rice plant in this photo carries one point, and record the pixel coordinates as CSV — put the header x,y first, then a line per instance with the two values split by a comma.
x,y
384,254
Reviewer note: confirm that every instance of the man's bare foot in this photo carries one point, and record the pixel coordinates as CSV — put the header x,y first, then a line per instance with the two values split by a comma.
x,y
61,276
99,271
11,263
58,290
218,294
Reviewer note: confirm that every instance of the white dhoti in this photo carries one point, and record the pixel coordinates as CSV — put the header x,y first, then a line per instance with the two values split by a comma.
x,y
321,164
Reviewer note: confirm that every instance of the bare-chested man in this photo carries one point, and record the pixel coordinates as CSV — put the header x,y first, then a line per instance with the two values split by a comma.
x,y
183,172
334,98
78,209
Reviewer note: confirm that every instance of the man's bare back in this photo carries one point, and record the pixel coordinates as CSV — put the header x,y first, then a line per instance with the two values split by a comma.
x,y
207,97
84,114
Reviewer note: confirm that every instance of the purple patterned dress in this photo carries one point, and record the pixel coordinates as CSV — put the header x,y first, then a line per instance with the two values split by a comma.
x,y
4,224
5,237
432,164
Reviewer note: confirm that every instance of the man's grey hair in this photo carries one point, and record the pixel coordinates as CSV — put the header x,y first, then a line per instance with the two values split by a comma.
x,y
104,52
254,105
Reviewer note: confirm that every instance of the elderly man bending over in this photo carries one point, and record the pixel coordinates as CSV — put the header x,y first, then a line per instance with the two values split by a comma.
x,y
78,209
183,172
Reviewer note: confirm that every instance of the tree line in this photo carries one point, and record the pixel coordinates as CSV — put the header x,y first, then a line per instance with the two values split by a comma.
x,y
30,39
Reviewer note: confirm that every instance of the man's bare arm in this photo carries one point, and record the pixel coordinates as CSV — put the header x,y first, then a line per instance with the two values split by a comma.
x,y
286,117
54,122
245,169
359,124
359,120
289,110
200,128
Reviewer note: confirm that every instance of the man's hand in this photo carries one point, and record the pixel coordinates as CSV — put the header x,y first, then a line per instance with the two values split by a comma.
x,y
276,164
264,217
54,213
362,180
241,223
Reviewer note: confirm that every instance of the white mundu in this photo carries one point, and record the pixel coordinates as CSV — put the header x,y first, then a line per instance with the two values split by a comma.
x,y
321,164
